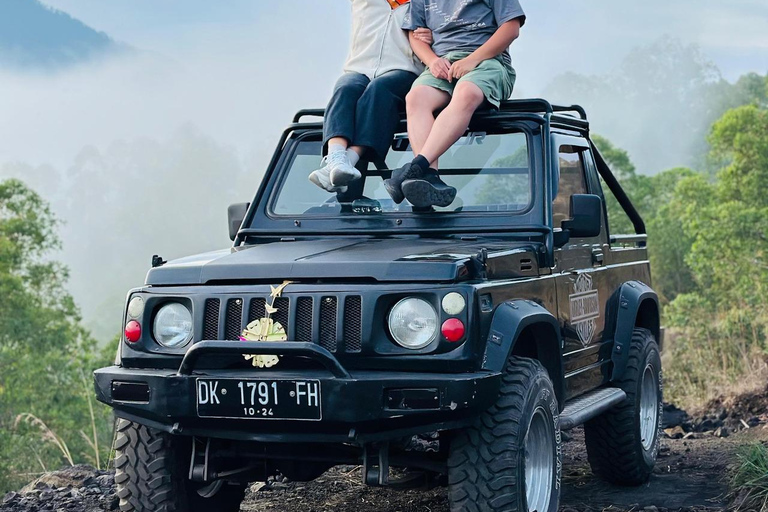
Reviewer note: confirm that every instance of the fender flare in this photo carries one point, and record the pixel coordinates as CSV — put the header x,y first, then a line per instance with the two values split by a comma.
x,y
632,299
510,320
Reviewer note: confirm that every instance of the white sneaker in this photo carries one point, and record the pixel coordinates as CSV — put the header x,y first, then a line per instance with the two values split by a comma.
x,y
322,177
342,171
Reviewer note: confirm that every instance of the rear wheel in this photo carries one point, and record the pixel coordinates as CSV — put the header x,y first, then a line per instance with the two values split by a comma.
x,y
151,473
510,459
623,443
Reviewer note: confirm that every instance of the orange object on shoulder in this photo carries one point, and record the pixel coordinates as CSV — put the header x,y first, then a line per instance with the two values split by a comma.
x,y
397,3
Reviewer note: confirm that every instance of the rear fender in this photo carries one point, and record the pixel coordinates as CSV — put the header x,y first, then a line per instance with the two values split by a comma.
x,y
528,329
634,304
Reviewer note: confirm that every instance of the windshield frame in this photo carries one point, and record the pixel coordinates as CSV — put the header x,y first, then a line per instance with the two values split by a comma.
x,y
280,189
262,222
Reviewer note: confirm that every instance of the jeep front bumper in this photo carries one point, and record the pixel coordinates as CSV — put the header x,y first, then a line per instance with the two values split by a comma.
x,y
358,407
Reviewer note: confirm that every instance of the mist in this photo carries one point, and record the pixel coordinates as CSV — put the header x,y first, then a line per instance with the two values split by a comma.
x,y
140,154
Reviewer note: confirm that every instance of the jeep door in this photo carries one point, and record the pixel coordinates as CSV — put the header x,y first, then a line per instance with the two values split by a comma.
x,y
579,274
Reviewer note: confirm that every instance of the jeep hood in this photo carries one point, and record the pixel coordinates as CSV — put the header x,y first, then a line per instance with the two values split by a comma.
x,y
385,260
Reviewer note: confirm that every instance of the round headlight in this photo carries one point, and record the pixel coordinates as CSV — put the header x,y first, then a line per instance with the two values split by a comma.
x,y
173,325
413,323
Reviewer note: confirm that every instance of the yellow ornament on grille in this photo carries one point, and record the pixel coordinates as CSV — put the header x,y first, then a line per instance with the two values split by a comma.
x,y
266,329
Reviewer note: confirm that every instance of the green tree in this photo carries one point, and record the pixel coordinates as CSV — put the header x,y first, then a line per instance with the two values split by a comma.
x,y
668,242
724,317
654,198
740,143
46,357
728,219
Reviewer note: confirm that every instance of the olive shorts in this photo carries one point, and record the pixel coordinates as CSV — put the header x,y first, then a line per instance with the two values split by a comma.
x,y
495,78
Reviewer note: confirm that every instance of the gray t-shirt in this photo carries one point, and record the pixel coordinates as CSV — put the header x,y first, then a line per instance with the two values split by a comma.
x,y
463,25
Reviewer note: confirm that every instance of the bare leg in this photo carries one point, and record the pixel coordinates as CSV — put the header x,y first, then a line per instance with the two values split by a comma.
x,y
420,105
357,149
452,122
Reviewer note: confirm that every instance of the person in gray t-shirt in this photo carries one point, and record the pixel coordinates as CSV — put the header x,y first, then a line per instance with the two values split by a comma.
x,y
461,25
468,65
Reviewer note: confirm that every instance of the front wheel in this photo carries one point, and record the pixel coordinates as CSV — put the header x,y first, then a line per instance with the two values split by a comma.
x,y
151,473
510,459
623,443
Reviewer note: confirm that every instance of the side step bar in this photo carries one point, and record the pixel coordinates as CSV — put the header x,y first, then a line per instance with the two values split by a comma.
x,y
584,408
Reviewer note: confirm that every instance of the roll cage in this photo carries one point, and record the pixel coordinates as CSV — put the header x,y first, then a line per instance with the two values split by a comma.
x,y
537,117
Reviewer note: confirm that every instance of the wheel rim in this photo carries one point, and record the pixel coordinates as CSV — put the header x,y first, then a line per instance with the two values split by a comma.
x,y
649,408
539,464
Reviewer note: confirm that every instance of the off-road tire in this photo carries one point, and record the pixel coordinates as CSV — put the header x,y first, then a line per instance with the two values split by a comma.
x,y
151,476
486,463
614,443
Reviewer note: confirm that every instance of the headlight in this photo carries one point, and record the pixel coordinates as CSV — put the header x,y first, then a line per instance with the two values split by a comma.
x,y
413,323
173,325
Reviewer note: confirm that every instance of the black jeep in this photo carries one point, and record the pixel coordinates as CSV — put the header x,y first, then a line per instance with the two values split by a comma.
x,y
346,329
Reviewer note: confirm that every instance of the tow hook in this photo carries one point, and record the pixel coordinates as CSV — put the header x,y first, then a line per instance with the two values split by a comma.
x,y
376,464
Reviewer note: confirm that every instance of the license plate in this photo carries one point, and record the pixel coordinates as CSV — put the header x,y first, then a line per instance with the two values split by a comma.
x,y
259,399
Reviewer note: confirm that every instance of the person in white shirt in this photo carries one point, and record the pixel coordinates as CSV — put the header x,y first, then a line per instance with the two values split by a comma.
x,y
364,111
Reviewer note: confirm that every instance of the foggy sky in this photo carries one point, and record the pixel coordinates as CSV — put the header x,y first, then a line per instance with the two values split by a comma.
x,y
587,35
214,64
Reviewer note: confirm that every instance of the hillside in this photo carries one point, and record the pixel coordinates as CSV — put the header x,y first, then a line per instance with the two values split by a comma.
x,y
34,36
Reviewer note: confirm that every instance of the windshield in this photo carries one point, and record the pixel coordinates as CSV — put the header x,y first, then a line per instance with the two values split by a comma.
x,y
491,173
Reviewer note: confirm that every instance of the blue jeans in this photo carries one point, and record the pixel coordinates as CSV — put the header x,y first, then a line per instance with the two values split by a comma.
x,y
366,112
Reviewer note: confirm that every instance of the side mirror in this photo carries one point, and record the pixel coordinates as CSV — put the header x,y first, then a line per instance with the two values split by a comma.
x,y
236,213
586,215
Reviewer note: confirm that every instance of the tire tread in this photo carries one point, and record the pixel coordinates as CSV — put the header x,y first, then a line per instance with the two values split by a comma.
x,y
612,438
142,473
480,454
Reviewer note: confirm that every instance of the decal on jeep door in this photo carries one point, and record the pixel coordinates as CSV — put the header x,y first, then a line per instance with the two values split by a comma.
x,y
585,308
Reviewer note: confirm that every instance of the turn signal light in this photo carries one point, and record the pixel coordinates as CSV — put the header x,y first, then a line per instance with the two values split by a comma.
x,y
453,330
133,331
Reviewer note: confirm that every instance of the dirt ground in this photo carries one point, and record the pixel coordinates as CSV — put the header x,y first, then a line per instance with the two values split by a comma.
x,y
689,476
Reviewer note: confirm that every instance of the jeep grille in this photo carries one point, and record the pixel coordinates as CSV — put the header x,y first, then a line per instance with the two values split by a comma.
x,y
309,319
353,323
211,321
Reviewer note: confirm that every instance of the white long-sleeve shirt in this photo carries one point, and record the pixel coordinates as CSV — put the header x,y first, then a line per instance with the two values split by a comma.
x,y
379,43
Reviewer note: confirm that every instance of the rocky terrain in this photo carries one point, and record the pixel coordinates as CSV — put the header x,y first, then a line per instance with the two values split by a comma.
x,y
690,476
79,488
